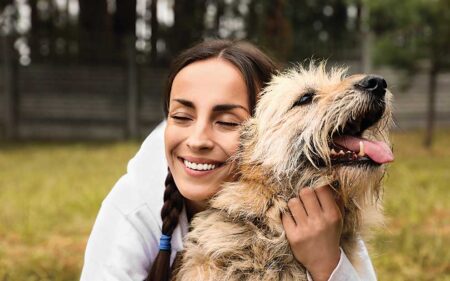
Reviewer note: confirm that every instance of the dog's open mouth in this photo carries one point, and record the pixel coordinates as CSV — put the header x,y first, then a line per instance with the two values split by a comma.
x,y
356,150
349,148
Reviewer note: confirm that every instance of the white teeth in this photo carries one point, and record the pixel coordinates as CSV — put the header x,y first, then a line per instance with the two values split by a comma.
x,y
341,152
361,149
199,167
333,152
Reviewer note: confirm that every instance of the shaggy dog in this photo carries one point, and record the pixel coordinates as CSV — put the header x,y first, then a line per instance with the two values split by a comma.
x,y
311,128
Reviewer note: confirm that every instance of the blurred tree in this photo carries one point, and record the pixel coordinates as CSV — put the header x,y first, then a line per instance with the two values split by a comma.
x,y
188,24
414,35
277,29
125,17
155,30
321,28
95,26
5,3
124,26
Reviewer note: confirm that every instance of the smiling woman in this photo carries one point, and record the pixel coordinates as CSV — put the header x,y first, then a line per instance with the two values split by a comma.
x,y
208,103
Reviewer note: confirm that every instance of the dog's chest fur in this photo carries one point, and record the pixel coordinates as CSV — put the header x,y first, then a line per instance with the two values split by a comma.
x,y
241,237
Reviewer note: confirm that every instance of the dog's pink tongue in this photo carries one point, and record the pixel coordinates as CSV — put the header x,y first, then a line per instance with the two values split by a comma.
x,y
378,151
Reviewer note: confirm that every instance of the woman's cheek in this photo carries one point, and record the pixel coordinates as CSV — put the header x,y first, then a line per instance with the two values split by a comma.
x,y
231,143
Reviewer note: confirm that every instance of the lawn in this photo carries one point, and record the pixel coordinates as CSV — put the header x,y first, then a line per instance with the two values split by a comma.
x,y
50,194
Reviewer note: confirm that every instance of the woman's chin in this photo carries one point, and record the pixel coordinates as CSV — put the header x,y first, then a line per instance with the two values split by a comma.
x,y
198,192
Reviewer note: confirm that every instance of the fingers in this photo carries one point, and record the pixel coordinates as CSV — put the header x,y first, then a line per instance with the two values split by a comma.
x,y
314,203
297,210
326,197
331,202
288,223
310,201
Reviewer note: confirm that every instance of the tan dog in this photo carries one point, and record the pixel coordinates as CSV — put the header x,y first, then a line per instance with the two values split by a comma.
x,y
311,128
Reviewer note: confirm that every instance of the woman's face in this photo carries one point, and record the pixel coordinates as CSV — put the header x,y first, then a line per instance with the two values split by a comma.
x,y
208,102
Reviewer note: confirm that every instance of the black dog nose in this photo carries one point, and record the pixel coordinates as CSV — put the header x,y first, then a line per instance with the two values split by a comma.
x,y
374,84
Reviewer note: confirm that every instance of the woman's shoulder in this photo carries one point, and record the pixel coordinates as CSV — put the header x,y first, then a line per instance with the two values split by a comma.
x,y
128,225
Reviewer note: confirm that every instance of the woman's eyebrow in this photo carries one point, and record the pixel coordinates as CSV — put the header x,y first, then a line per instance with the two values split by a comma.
x,y
185,103
216,108
227,107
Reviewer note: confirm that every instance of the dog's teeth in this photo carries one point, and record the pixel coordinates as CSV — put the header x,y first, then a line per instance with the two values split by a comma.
x,y
333,152
341,152
361,149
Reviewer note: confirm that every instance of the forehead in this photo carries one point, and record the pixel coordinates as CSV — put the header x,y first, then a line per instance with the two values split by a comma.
x,y
210,81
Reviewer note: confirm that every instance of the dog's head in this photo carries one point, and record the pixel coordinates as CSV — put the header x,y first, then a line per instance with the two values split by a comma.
x,y
310,122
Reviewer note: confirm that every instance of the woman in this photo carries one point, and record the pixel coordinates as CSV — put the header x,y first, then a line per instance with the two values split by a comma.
x,y
212,88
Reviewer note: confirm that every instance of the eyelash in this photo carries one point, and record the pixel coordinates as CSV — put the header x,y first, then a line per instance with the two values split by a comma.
x,y
181,118
223,123
230,124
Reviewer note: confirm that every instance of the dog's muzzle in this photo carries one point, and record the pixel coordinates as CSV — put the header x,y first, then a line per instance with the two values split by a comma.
x,y
349,147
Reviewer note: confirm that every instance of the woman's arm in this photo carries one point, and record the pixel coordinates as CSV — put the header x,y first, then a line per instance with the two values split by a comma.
x,y
345,271
125,236
117,249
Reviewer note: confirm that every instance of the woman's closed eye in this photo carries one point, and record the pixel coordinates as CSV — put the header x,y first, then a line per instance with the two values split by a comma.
x,y
180,118
229,124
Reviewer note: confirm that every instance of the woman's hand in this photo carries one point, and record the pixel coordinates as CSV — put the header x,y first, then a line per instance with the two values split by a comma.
x,y
314,230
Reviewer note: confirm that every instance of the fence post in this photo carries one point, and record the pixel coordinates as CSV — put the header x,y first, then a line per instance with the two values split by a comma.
x,y
367,40
132,90
10,91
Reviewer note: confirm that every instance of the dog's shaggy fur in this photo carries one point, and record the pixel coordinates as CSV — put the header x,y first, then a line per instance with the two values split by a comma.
x,y
284,147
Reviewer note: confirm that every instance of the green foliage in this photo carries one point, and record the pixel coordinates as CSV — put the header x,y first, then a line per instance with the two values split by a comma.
x,y
51,193
411,33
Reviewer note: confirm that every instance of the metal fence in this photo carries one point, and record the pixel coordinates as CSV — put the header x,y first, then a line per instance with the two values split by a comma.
x,y
121,100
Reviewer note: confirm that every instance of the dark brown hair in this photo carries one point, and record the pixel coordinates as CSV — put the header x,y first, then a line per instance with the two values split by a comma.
x,y
256,69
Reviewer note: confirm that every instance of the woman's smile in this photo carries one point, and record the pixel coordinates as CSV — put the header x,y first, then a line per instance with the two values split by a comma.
x,y
199,167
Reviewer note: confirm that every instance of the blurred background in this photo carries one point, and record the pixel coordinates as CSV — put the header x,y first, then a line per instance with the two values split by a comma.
x,y
81,84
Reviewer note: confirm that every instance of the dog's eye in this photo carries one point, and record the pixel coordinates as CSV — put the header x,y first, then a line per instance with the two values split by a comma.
x,y
305,99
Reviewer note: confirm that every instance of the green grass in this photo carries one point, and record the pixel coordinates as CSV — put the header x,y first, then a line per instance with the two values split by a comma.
x,y
50,194
415,244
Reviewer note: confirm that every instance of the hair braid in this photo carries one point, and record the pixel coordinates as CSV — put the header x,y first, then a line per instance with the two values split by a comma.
x,y
170,213
173,205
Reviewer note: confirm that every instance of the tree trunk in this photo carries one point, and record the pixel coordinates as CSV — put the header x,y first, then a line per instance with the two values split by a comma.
x,y
154,26
34,35
5,3
11,98
278,30
431,106
125,17
188,24
220,11
95,30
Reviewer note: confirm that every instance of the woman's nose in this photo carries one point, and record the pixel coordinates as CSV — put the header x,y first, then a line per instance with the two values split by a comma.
x,y
201,138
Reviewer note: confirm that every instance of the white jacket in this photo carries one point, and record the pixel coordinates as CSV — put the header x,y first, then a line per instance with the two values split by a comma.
x,y
125,237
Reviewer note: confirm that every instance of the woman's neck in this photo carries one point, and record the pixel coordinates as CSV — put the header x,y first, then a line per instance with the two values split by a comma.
x,y
193,207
